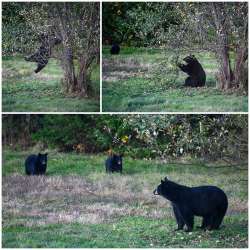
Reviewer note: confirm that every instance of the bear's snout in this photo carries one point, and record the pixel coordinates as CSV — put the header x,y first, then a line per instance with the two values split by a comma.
x,y
155,192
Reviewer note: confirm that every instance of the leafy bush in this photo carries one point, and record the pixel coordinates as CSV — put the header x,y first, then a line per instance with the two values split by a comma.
x,y
139,136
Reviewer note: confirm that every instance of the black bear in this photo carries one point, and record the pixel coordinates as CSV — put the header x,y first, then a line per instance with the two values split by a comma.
x,y
42,55
115,49
114,163
209,202
197,76
36,164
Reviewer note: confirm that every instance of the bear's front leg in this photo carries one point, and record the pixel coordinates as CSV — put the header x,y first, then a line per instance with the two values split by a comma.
x,y
178,217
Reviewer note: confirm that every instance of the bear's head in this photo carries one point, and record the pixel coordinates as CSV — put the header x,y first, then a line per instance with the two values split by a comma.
x,y
189,59
42,158
160,189
167,189
117,161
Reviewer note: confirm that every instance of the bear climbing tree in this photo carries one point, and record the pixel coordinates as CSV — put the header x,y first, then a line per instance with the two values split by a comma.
x,y
78,27
197,75
43,53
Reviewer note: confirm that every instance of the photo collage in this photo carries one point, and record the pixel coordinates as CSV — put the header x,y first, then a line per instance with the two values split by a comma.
x,y
124,124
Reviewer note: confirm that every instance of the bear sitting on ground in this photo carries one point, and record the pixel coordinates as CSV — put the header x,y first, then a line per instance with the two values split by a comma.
x,y
209,202
114,163
36,164
197,76
42,55
115,49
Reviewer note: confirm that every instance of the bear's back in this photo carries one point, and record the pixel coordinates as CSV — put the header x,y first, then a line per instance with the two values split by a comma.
x,y
30,164
206,198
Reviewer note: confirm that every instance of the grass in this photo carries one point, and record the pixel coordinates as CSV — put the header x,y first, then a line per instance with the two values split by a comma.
x,y
24,91
77,205
129,85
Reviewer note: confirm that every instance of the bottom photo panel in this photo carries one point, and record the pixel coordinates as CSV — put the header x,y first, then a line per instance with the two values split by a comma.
x,y
124,181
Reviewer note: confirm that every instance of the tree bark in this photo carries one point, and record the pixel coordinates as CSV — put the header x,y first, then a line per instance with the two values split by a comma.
x,y
83,78
241,66
225,76
241,69
70,80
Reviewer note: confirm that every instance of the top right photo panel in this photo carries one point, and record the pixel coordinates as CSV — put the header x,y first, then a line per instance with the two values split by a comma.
x,y
175,57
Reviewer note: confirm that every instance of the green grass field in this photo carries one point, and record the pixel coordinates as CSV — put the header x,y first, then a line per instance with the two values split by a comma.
x,y
78,205
24,91
129,85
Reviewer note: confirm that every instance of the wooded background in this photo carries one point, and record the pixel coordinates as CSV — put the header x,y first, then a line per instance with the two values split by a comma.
x,y
210,137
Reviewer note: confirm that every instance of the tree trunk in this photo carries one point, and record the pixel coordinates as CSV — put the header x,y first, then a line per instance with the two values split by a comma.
x,y
63,24
83,80
225,76
241,65
70,80
241,69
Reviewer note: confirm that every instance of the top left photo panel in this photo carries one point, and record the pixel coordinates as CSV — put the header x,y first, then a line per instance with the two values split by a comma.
x,y
51,57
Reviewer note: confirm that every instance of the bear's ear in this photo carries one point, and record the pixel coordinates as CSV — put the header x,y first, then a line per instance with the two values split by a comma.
x,y
162,181
46,154
166,178
110,152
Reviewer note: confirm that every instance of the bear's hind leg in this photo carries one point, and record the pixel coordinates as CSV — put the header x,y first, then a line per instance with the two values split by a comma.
x,y
188,82
205,223
40,67
217,222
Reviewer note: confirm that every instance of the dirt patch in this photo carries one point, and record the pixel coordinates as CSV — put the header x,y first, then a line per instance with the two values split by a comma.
x,y
8,74
114,70
43,77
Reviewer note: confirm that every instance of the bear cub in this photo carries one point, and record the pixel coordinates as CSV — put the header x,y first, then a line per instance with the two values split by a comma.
x,y
209,202
197,75
115,49
114,163
36,164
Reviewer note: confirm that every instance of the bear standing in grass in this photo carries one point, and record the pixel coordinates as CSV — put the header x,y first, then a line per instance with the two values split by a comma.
x,y
36,164
209,202
113,163
197,76
115,49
